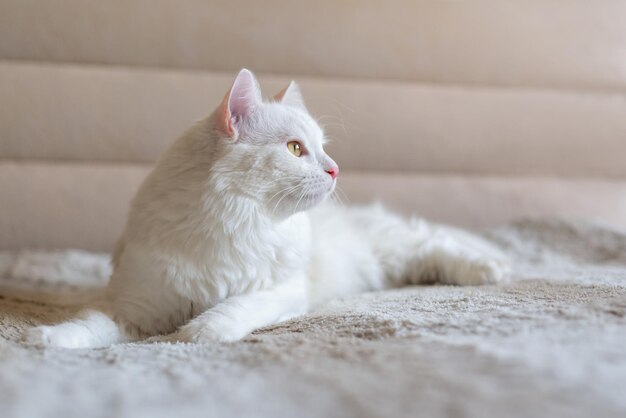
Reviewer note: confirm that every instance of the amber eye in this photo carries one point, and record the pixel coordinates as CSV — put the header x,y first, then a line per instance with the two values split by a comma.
x,y
295,148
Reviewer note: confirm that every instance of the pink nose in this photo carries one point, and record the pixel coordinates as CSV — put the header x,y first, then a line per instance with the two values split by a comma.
x,y
334,172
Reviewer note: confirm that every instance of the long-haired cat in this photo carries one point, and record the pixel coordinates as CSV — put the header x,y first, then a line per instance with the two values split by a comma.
x,y
230,233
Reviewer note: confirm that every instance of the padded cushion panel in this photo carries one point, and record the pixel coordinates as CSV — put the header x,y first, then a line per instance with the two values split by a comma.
x,y
564,43
104,114
84,206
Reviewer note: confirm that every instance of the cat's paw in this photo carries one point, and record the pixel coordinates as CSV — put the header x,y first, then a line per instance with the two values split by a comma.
x,y
479,272
54,336
38,336
207,333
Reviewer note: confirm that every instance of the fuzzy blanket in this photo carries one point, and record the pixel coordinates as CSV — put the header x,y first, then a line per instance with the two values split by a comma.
x,y
552,342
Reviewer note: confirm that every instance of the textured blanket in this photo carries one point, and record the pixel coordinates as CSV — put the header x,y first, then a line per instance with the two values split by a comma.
x,y
552,342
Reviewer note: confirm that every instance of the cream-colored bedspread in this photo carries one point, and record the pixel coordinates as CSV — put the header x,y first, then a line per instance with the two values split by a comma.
x,y
552,342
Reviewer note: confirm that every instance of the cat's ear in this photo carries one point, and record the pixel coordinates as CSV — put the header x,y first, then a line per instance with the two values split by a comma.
x,y
291,96
241,100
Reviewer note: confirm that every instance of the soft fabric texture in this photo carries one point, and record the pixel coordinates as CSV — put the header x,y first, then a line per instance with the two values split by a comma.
x,y
471,157
48,205
574,44
550,343
92,92
109,114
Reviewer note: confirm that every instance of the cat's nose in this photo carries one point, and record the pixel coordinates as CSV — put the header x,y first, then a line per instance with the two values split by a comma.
x,y
333,171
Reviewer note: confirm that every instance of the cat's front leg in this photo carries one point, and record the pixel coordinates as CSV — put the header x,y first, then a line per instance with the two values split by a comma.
x,y
237,316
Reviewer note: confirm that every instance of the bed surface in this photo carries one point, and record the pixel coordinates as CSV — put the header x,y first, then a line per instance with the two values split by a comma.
x,y
549,343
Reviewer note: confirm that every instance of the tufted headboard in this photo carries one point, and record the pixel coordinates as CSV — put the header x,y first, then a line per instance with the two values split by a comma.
x,y
473,113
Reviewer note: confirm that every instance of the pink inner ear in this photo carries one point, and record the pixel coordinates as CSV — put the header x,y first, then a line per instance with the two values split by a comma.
x,y
244,96
291,96
224,117
279,96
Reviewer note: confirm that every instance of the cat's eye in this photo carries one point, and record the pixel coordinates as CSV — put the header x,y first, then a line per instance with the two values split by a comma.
x,y
295,148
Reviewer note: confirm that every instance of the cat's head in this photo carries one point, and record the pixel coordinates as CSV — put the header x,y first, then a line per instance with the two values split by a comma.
x,y
271,151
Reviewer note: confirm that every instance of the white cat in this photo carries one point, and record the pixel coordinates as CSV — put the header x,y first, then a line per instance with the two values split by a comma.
x,y
229,234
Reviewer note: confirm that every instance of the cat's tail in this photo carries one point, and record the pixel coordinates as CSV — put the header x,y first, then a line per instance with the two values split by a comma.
x,y
91,328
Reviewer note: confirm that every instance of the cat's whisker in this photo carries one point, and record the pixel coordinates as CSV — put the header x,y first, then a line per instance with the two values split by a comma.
x,y
335,198
340,190
340,200
304,191
247,170
338,105
340,122
308,199
321,118
273,182
286,189
287,192
298,183
280,191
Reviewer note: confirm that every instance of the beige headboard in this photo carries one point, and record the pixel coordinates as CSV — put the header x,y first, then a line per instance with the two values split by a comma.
x,y
473,113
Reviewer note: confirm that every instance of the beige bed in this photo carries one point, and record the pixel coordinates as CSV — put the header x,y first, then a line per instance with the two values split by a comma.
x,y
474,113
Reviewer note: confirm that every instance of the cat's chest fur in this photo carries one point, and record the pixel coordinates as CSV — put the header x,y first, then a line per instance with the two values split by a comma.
x,y
257,256
215,250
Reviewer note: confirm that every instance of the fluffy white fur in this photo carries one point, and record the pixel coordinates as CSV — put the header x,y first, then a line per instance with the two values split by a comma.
x,y
230,232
